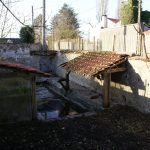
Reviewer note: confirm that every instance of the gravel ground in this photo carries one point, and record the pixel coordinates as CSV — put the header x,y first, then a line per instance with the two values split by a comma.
x,y
119,128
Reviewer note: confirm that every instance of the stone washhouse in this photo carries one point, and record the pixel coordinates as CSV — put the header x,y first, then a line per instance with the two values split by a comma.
x,y
100,65
17,92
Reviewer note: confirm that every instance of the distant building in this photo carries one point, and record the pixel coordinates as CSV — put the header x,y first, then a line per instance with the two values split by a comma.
x,y
106,22
109,22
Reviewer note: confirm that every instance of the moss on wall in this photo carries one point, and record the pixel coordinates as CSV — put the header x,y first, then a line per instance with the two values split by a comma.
x,y
15,98
14,85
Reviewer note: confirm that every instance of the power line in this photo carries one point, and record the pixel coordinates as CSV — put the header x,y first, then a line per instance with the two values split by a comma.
x,y
12,13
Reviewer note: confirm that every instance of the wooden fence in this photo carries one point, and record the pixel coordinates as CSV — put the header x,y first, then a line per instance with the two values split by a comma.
x,y
123,39
75,44
146,43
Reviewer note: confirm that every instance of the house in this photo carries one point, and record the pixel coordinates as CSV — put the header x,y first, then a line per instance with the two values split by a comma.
x,y
106,22
17,92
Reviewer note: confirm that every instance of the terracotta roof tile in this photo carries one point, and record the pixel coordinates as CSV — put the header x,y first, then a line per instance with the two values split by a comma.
x,y
94,63
21,67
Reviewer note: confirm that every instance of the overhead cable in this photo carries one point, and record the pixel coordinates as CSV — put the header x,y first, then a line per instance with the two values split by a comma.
x,y
12,13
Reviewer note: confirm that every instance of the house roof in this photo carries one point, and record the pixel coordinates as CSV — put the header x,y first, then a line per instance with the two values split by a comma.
x,y
94,63
21,67
114,20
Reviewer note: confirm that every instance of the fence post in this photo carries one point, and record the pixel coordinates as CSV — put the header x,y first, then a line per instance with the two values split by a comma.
x,y
82,45
79,43
73,42
59,45
94,43
114,41
68,44
97,45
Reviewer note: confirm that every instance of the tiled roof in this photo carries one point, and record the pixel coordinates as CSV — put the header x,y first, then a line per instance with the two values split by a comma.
x,y
92,63
21,67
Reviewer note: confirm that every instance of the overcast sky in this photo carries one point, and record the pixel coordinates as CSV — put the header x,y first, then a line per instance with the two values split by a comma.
x,y
86,10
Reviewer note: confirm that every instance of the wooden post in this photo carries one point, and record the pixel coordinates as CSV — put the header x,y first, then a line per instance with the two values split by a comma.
x,y
66,80
97,45
34,102
79,43
68,45
114,41
59,45
82,45
94,43
106,89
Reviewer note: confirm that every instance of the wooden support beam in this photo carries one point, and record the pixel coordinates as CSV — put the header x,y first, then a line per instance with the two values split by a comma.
x,y
14,75
106,89
120,69
111,67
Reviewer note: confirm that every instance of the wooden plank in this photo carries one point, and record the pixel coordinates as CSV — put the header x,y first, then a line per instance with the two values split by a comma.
x,y
33,97
14,75
66,86
106,89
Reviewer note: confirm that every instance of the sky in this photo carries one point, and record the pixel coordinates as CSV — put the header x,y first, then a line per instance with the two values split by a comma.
x,y
86,10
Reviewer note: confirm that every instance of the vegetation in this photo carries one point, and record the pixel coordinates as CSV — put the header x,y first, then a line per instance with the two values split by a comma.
x,y
129,12
27,34
145,17
65,24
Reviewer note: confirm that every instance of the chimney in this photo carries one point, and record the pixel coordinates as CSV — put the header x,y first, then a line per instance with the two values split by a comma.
x,y
104,21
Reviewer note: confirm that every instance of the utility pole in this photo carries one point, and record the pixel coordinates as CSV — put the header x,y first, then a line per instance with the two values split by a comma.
x,y
32,17
43,28
139,14
139,26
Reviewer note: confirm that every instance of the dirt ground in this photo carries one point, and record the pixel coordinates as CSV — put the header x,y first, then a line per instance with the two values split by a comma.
x,y
119,128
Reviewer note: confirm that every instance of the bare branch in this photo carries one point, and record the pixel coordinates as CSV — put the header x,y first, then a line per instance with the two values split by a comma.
x,y
102,6
6,21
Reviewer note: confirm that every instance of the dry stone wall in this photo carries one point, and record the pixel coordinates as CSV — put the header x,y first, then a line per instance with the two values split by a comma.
x,y
20,53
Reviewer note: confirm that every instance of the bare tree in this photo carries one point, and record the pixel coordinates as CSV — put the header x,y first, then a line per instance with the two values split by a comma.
x,y
6,20
37,23
102,7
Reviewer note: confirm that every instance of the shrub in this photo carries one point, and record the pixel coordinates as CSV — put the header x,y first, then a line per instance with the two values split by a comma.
x,y
27,34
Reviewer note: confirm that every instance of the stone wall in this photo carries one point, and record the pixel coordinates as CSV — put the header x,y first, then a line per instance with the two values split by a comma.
x,y
20,53
131,88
